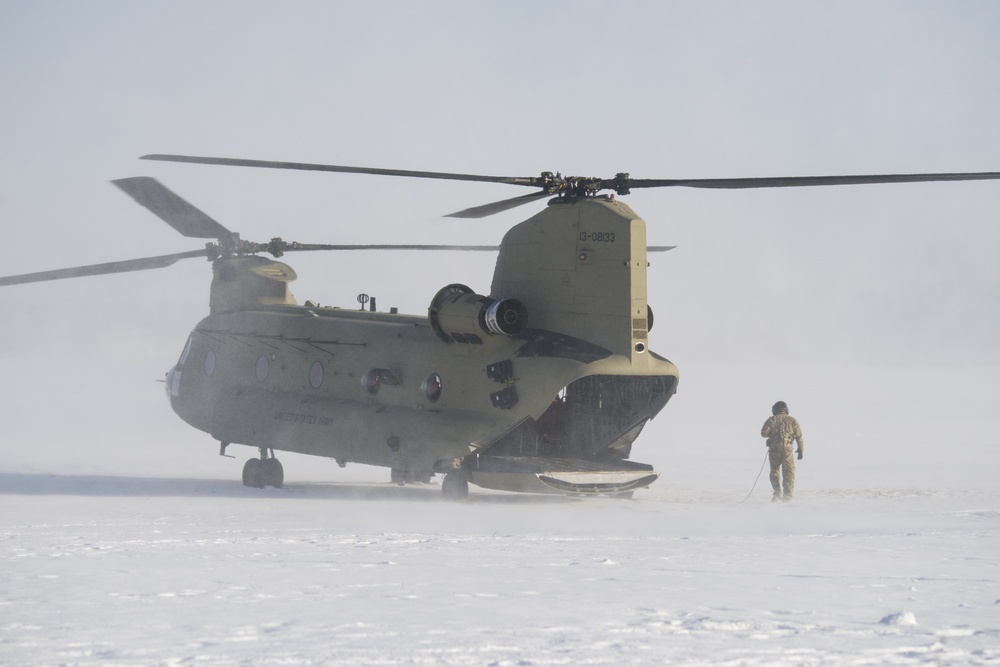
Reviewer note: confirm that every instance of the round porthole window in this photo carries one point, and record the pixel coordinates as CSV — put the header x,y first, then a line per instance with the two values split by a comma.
x,y
262,367
209,363
316,375
431,386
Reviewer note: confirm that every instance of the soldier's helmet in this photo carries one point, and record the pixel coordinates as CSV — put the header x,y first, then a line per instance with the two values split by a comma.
x,y
779,408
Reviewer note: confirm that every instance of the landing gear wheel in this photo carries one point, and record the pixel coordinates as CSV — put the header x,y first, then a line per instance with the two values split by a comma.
x,y
253,474
398,476
272,473
455,486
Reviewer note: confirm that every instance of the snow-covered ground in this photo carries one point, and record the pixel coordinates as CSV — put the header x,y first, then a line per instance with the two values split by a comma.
x,y
105,570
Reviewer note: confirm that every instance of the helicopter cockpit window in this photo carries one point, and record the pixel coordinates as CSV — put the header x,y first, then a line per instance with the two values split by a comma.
x,y
431,387
316,375
174,380
209,363
262,368
187,350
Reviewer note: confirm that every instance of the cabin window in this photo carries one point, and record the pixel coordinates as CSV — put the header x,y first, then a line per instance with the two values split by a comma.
x,y
316,375
262,368
209,363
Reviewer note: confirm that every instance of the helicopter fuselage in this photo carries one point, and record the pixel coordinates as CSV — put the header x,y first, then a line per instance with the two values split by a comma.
x,y
382,389
531,372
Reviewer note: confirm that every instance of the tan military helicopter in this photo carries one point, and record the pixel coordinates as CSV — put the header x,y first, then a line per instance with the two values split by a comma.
x,y
541,386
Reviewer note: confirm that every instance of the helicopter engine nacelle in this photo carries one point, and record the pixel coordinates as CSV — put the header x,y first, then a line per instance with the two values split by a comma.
x,y
459,315
247,283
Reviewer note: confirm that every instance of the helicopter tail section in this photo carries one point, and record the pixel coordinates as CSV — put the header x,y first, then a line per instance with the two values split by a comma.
x,y
594,418
579,268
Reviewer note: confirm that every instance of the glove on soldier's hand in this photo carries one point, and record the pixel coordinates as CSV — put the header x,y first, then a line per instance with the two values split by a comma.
x,y
800,455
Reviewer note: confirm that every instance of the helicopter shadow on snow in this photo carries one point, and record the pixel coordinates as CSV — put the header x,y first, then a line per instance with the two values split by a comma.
x,y
51,484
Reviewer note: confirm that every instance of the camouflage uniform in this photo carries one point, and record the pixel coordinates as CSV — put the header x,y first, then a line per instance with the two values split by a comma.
x,y
780,430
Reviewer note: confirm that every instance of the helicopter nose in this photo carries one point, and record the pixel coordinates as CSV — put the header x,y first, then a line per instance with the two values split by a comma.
x,y
173,383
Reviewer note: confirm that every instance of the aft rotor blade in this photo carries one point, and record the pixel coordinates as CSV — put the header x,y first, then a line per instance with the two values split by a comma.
x,y
173,210
474,248
498,206
305,166
143,264
806,181
320,246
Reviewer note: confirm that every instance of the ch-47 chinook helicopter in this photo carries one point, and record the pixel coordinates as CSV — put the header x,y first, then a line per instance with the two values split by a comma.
x,y
541,386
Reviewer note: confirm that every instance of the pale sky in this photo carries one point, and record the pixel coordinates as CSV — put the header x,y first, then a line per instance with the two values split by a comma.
x,y
765,290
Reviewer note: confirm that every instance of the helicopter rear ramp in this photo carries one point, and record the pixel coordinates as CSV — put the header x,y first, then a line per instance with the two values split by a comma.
x,y
560,475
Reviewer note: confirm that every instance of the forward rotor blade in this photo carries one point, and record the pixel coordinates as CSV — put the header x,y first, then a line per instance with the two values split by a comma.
x,y
170,208
806,181
304,166
143,264
498,206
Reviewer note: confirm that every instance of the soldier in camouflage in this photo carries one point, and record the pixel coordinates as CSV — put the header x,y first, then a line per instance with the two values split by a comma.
x,y
780,430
